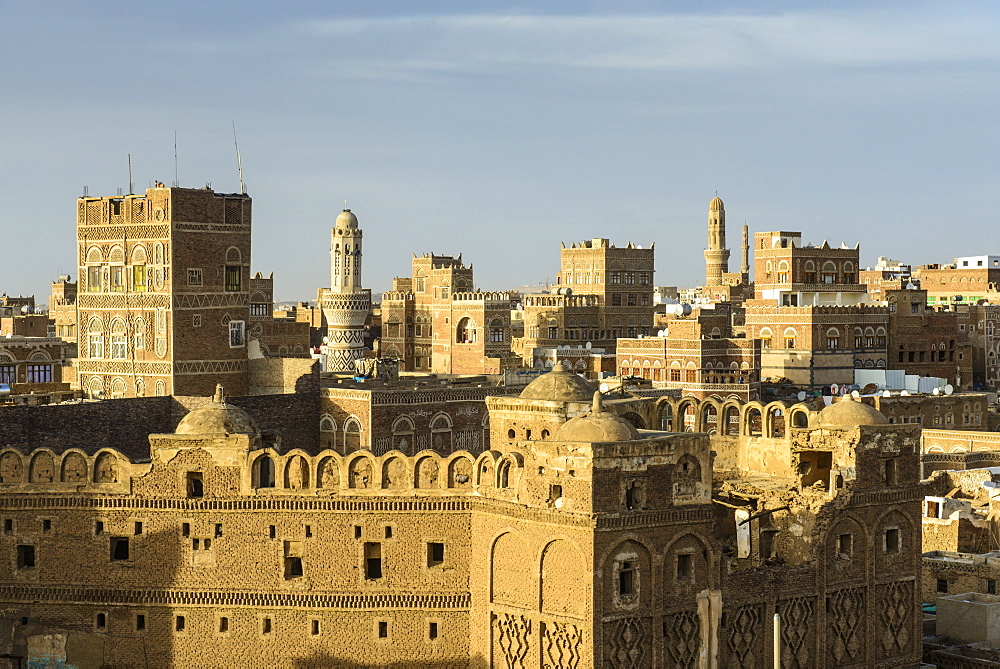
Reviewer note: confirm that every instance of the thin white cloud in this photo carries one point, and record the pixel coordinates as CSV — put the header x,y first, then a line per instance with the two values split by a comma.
x,y
671,43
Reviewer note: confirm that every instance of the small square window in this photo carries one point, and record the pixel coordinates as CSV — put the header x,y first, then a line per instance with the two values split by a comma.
x,y
309,530
892,540
627,579
179,624
383,629
314,627
119,549
138,527
25,557
432,631
101,622
223,624
388,531
357,531
140,622
185,529
845,545
265,626
218,529
98,527
942,586
991,586
272,531
8,525
435,553
195,485
683,566
46,525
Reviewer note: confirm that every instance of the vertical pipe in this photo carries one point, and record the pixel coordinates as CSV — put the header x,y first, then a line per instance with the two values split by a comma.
x,y
777,641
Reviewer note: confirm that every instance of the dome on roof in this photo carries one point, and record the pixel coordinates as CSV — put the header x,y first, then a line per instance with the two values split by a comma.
x,y
716,204
218,418
347,220
559,385
849,412
597,426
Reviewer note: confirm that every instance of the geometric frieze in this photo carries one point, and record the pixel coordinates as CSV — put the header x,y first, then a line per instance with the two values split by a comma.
x,y
211,300
123,367
210,367
160,596
352,336
389,398
122,301
130,232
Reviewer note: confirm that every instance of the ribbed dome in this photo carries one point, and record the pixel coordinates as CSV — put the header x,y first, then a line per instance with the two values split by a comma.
x,y
559,385
849,412
597,426
347,220
716,204
218,418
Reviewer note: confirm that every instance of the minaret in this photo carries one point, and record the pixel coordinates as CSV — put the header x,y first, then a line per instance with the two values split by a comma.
x,y
745,266
346,304
716,255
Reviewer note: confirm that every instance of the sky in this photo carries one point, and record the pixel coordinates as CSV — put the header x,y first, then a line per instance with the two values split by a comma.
x,y
497,130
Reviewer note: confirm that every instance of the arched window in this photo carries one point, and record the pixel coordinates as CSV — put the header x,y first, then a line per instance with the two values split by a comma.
x,y
402,434
117,389
833,338
789,337
95,339
441,433
263,472
352,435
140,333
765,338
119,339
328,431
465,333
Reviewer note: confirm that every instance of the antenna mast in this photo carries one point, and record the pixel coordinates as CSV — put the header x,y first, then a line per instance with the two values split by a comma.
x,y
176,180
130,174
239,162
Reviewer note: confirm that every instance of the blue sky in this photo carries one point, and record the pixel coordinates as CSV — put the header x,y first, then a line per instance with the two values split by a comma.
x,y
498,130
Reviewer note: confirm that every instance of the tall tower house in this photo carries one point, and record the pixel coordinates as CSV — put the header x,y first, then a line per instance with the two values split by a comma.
x,y
163,294
346,304
716,255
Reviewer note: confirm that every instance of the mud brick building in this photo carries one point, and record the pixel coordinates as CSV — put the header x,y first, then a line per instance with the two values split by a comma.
x,y
700,356
32,363
164,292
598,545
927,341
435,321
603,292
816,346
62,309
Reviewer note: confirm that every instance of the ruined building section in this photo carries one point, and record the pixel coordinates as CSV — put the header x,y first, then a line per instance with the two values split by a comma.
x,y
598,545
717,254
163,292
346,305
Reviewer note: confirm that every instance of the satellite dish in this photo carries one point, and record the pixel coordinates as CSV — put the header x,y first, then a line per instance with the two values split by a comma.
x,y
834,389
905,393
588,345
936,391
326,340
801,395
886,393
843,391
949,389
604,387
855,394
